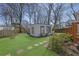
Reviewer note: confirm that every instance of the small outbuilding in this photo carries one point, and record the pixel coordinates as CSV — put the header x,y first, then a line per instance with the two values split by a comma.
x,y
38,30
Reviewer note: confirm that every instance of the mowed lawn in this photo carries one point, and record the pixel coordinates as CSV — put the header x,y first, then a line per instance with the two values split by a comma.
x,y
23,45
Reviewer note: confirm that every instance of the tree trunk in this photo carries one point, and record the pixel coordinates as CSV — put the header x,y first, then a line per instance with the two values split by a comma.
x,y
49,13
55,24
20,18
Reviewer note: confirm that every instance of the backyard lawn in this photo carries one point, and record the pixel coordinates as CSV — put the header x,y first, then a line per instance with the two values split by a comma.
x,y
24,45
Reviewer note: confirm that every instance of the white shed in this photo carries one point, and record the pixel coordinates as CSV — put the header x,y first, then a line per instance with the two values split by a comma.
x,y
38,30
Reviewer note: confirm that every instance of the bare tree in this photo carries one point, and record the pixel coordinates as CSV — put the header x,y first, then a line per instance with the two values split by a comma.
x,y
6,12
39,13
17,11
57,13
49,12
31,11
36,13
73,11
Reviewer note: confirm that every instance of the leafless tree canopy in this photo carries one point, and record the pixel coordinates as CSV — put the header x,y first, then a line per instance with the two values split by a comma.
x,y
36,13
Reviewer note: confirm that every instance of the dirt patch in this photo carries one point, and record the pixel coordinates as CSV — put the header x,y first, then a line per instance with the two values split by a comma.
x,y
46,45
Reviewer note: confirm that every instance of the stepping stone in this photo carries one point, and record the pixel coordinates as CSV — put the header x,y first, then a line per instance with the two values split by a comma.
x,y
47,37
8,54
49,48
20,51
41,43
36,44
44,41
30,47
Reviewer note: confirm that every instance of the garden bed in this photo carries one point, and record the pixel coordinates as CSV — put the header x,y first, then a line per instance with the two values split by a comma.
x,y
57,41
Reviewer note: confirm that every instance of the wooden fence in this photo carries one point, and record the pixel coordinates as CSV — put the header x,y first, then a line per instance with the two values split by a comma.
x,y
59,30
73,30
7,31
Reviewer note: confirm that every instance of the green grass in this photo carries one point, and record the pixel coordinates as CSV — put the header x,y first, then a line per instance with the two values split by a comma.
x,y
22,41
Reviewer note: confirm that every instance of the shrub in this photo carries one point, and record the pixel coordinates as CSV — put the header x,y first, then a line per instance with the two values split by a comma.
x,y
56,41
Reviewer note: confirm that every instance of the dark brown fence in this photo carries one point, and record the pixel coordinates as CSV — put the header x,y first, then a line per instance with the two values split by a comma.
x,y
60,30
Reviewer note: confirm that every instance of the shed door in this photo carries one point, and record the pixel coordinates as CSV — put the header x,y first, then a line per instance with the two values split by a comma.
x,y
42,30
32,30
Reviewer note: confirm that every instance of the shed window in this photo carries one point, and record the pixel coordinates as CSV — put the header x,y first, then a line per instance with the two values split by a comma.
x,y
48,29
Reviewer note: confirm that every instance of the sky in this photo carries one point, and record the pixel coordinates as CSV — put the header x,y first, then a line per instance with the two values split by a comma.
x,y
65,17
68,11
